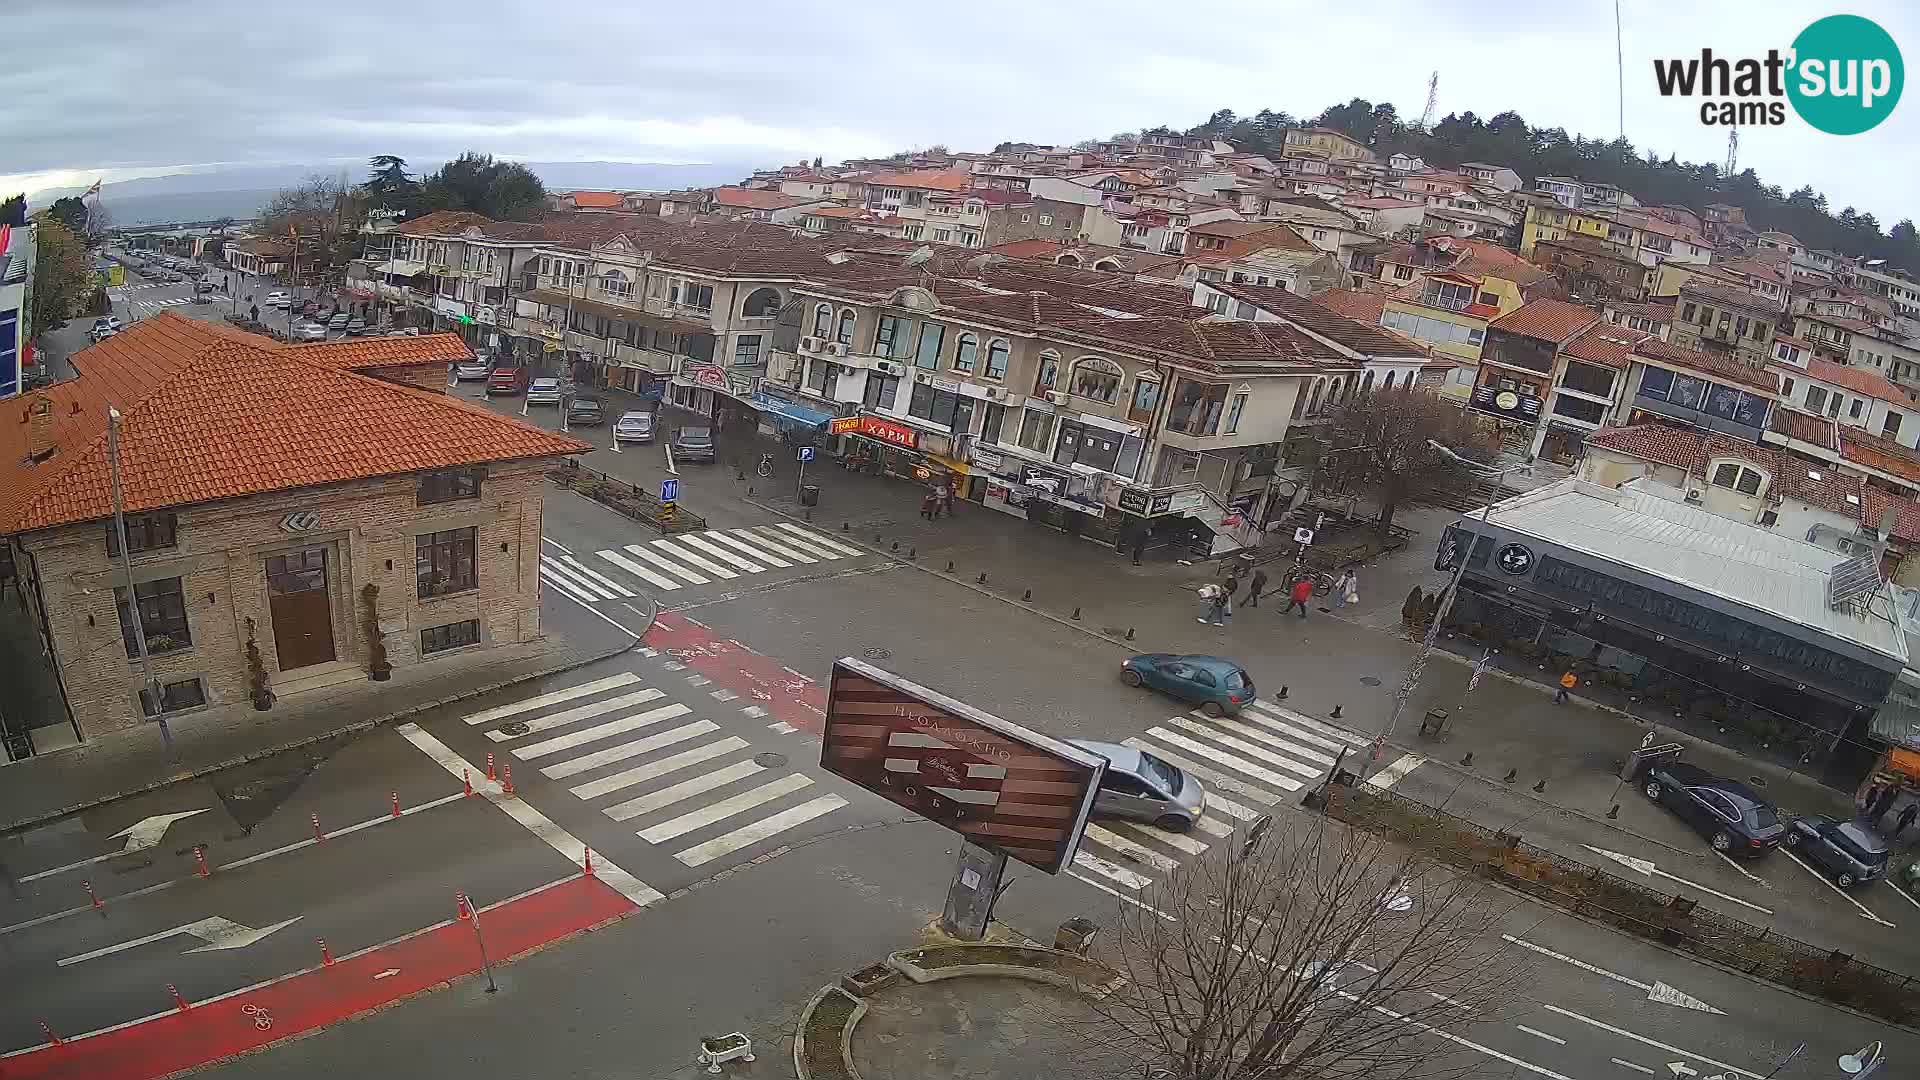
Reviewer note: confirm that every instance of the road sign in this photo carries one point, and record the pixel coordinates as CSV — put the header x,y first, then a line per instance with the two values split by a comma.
x,y
669,490
806,454
1303,536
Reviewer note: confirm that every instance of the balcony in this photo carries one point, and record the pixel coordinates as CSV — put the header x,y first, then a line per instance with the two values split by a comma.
x,y
655,360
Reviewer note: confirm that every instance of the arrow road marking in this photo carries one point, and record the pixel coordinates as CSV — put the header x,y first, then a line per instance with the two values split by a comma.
x,y
1680,1068
218,933
1624,1033
142,835
1656,991
1645,866
387,974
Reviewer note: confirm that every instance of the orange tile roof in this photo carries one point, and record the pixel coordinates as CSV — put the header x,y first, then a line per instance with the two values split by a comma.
x,y
1026,249
444,223
1609,346
934,179
1548,320
598,200
360,354
1856,445
755,198
1707,363
1806,427
1858,380
211,413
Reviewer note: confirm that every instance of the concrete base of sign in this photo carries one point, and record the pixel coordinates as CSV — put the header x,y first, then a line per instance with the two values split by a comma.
x,y
976,884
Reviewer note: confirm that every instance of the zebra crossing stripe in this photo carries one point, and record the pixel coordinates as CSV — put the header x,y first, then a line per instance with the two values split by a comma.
x,y
1293,732
1250,749
692,558
1300,719
1111,871
726,808
686,789
602,579
1213,776
1213,826
1395,772
772,535
770,557
583,712
579,582
720,553
819,539
640,774
637,570
599,731
1297,750
611,682
666,564
547,574
1179,841
783,550
1138,852
760,830
589,762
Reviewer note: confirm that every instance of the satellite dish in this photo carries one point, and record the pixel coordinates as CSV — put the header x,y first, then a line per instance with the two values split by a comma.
x,y
921,256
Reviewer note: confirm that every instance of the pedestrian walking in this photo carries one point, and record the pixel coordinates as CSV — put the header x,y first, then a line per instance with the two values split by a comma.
x,y
253,313
1257,586
946,499
928,506
1907,814
1568,682
1346,590
1139,545
1884,802
1302,592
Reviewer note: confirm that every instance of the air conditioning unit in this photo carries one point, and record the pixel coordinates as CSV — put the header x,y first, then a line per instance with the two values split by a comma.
x,y
809,344
994,393
1058,397
1693,495
890,367
836,348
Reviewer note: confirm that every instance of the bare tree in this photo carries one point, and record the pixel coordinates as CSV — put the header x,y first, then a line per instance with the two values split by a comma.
x,y
1379,441
323,211
1322,953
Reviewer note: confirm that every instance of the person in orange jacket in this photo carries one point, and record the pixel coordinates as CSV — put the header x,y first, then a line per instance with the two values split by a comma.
x,y
1302,592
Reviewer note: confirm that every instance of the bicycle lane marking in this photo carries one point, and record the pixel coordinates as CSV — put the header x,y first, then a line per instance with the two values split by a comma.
x,y
786,695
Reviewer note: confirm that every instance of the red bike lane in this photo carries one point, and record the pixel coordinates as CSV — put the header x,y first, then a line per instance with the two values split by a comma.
x,y
786,695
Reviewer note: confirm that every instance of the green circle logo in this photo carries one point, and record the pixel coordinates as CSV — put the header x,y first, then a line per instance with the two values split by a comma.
x,y
1847,75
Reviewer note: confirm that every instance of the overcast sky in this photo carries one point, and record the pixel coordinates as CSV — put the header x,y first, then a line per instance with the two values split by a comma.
x,y
121,88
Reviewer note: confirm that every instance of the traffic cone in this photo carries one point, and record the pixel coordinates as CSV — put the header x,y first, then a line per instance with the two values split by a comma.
x,y
490,774
88,885
587,862
461,908
318,836
200,860
179,1001
506,782
466,780
326,954
396,804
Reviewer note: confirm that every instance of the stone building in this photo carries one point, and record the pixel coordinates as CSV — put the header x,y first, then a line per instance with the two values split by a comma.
x,y
290,512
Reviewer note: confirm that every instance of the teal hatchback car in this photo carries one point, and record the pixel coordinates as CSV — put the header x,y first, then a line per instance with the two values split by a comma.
x,y
1220,687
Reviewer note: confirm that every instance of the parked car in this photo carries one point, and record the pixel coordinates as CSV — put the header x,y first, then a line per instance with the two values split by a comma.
x,y
1140,786
104,327
276,298
633,427
1849,850
693,444
507,380
469,371
203,286
585,412
338,320
308,331
1731,815
1219,686
194,270
356,325
543,392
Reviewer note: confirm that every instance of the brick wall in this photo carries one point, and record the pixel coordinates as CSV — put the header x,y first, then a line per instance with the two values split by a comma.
x,y
425,376
368,529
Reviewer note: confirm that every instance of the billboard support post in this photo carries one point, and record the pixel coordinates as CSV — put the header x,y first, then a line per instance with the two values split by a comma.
x,y
976,884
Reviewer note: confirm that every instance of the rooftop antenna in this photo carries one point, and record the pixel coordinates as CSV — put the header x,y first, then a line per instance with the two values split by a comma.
x,y
1620,68
1433,99
1733,151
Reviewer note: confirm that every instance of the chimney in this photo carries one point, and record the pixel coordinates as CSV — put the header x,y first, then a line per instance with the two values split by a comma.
x,y
39,429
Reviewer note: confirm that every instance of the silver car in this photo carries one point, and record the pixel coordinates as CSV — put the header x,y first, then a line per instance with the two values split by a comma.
x,y
633,427
1140,786
544,392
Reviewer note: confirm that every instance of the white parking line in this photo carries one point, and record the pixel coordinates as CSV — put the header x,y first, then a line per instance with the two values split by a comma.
x,y
1602,1025
1538,1034
1741,870
1902,893
1631,1065
1824,880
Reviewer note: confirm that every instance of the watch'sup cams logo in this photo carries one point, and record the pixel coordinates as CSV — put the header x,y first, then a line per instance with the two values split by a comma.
x,y
1843,75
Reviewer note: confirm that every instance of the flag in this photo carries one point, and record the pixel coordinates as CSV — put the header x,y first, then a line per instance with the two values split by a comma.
x,y
94,190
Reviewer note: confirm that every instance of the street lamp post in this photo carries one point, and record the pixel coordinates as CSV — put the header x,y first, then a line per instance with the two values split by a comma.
x,y
1865,1061
1419,664
149,689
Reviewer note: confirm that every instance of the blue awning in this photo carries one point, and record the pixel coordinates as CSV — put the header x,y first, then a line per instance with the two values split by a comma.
x,y
791,411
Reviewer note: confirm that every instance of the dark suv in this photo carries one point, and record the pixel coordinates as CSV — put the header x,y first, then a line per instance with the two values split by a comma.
x,y
693,444
1848,850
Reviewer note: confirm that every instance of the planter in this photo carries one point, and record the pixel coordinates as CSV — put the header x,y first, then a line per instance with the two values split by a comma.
x,y
381,674
733,1046
262,700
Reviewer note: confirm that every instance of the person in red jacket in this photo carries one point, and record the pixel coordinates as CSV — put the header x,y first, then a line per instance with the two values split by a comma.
x,y
1302,592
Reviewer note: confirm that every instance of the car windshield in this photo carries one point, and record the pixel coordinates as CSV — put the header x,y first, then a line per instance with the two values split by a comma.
x,y
1163,774
1861,844
1237,680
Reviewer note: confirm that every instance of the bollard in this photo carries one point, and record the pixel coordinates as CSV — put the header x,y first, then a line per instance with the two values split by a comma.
x,y
1541,787
52,1039
466,781
1336,713
490,774
179,1001
318,836
1076,614
88,885
1467,762
749,491
1613,812
809,514
739,473
913,553
1512,775
982,579
1282,695
844,527
200,862
895,546
1129,633
326,954
1027,597
506,778
461,908
877,538
586,862
949,566
396,804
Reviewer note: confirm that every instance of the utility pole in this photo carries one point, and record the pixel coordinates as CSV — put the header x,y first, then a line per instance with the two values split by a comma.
x,y
149,689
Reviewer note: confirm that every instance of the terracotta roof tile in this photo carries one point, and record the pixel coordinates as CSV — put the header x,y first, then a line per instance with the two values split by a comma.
x,y
1317,318
1859,380
1604,344
756,198
1357,304
1806,427
934,179
1858,446
1726,369
1547,320
1717,294
360,354
213,413
1794,477
597,200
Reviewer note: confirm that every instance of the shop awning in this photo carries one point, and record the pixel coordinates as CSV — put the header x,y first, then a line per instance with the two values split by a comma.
x,y
401,268
792,411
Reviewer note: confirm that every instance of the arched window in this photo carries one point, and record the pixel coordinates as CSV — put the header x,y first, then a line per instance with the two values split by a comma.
x,y
845,334
1096,379
996,359
1146,398
615,283
761,304
822,320
1366,383
1313,403
1389,383
1048,374
1068,260
963,353
1339,393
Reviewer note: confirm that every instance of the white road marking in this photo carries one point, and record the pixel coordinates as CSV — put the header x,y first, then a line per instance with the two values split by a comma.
x,y
611,682
754,711
661,561
1298,751
219,933
1865,913
1292,731
1213,826
564,550
580,582
1538,1034
1395,772
601,579
583,712
819,539
785,551
765,828
1602,1025
698,680
726,808
718,552
714,536
569,846
1301,719
781,727
1631,1065
686,789
642,773
1900,892
1656,991
692,558
803,541
1249,748
723,695
1211,776
599,731
1738,869
641,572
1646,866
1111,871
1118,895
1178,841
142,835
565,587
1237,764
1138,852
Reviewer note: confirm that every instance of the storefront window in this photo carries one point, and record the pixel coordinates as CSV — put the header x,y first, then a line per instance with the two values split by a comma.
x,y
1096,448
1036,431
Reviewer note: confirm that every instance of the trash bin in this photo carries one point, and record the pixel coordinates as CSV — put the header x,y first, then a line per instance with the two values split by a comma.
x,y
809,494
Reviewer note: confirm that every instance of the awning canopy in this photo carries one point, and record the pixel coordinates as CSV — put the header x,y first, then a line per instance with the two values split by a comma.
x,y
792,411
401,268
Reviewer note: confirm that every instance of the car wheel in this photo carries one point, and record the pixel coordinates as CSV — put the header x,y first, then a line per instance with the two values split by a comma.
x,y
1722,842
1654,790
1130,677
1212,708
1173,823
1792,839
1844,880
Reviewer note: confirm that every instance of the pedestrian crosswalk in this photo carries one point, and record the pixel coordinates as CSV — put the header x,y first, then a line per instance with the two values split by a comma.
x,y
641,760
1249,763
156,305
696,558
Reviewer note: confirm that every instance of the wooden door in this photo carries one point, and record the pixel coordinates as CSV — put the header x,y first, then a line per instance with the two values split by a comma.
x,y
302,615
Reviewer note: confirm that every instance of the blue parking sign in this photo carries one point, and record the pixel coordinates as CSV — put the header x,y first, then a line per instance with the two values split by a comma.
x,y
669,489
806,453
